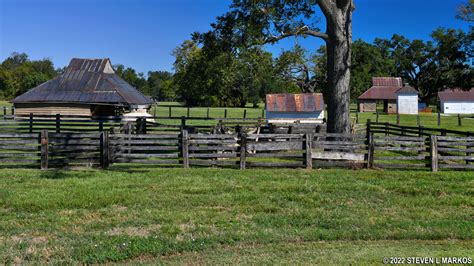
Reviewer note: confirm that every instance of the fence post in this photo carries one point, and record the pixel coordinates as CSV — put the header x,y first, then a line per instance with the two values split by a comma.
x,y
368,128
243,150
101,126
58,123
183,123
434,153
185,148
459,120
104,149
371,150
245,113
386,128
31,122
188,112
357,117
418,120
44,149
13,110
225,113
4,112
439,118
207,112
308,151
169,111
377,117
468,154
398,118
263,113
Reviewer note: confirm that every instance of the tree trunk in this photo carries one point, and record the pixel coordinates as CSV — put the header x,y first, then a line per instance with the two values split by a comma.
x,y
339,42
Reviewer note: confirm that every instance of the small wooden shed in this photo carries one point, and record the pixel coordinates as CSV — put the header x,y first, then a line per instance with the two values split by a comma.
x,y
395,96
295,108
457,101
87,87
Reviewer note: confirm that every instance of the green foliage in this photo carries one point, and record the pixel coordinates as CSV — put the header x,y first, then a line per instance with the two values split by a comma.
x,y
212,75
19,74
443,62
156,85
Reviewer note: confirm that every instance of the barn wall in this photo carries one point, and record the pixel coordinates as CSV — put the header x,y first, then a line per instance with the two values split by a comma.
x,y
390,107
367,106
291,117
458,107
52,109
407,103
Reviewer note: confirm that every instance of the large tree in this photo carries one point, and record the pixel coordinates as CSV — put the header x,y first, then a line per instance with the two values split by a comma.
x,y
269,21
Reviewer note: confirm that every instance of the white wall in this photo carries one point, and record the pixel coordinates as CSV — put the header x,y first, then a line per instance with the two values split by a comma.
x,y
458,107
407,103
291,117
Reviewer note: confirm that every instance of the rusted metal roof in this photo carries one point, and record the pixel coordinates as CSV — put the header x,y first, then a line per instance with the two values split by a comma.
x,y
304,102
386,88
387,81
456,94
407,89
90,81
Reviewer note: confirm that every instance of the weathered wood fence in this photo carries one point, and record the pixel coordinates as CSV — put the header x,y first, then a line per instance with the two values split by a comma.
x,y
321,150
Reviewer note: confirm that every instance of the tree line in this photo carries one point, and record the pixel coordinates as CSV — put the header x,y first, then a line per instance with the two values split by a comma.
x,y
206,73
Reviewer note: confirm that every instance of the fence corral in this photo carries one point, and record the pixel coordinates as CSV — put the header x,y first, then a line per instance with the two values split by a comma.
x,y
382,146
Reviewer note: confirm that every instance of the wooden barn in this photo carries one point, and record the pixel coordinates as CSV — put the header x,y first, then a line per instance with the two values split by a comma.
x,y
295,108
457,101
390,91
87,87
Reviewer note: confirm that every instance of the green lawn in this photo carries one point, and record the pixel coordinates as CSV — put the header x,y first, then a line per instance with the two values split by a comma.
x,y
212,216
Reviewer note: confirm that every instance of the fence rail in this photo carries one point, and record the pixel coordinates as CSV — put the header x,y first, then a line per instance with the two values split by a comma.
x,y
382,146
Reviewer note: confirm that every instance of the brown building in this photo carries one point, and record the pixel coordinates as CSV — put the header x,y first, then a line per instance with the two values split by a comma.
x,y
87,87
384,90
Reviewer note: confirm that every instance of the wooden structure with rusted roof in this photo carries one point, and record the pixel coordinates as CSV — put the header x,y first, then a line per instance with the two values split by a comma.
x,y
295,108
87,87
395,96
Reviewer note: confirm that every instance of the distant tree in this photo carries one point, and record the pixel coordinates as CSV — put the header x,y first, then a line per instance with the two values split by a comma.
x,y
466,11
19,74
136,80
445,61
160,85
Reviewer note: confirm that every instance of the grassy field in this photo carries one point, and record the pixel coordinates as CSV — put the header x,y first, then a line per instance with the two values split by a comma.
x,y
212,216
426,119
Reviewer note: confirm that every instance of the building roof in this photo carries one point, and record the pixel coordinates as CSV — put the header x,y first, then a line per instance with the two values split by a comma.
x,y
456,94
406,89
386,88
88,81
303,102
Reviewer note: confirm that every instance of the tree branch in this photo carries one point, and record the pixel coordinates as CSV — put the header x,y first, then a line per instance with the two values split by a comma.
x,y
305,30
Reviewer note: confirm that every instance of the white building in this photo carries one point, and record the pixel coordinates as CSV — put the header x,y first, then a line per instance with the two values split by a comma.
x,y
456,101
407,100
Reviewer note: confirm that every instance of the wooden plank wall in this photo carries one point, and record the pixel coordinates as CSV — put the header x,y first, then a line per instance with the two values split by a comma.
x,y
343,150
401,152
211,149
158,149
74,149
20,149
275,150
455,152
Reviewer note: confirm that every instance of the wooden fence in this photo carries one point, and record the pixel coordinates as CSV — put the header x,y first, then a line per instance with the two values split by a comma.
x,y
321,150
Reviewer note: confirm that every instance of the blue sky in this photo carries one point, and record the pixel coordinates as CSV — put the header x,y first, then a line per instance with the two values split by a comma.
x,y
143,33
